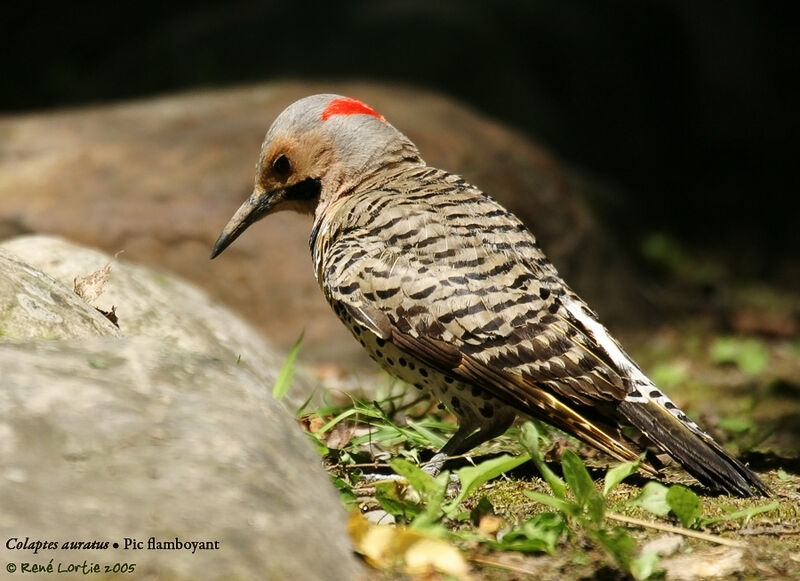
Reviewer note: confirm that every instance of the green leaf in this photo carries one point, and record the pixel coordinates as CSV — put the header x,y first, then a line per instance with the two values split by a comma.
x,y
596,507
286,375
577,477
318,444
304,405
529,438
748,354
644,566
620,473
433,440
419,479
738,425
434,503
471,477
345,490
616,542
388,496
745,513
685,504
568,508
668,375
482,508
653,498
538,534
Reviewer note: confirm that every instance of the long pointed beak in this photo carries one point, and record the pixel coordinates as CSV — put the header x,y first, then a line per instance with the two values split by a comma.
x,y
252,210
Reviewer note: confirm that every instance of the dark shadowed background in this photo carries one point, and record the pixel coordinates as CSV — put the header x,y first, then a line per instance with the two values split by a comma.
x,y
683,115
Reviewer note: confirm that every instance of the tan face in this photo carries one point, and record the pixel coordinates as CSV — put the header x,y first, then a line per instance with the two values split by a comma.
x,y
290,171
288,177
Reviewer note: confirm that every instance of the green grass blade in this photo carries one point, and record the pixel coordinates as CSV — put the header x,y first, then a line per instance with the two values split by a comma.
x,y
472,477
418,478
566,507
286,375
529,438
742,514
620,473
434,440
577,477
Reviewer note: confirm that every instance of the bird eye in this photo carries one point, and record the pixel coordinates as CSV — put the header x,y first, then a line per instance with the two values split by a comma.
x,y
282,165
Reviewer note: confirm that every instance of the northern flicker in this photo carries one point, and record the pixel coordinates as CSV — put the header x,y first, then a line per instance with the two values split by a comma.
x,y
450,292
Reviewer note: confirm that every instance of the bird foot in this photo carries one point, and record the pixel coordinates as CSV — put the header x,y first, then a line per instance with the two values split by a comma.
x,y
372,478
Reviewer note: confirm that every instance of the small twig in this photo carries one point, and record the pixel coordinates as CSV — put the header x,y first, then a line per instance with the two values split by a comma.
x,y
386,465
678,530
362,465
769,531
502,566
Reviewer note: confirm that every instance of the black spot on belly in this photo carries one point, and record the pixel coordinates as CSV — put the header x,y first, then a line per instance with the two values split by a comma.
x,y
476,391
455,403
390,361
362,342
418,386
380,342
655,393
487,411
356,329
423,372
402,361
378,353
411,365
669,405
448,379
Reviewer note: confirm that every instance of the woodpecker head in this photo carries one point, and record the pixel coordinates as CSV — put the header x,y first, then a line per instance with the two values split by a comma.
x,y
319,148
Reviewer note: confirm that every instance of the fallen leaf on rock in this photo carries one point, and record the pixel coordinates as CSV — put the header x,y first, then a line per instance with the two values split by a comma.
x,y
110,315
91,286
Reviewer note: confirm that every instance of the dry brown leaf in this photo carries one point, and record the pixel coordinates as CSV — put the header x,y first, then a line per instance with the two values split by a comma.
x,y
91,286
110,315
340,435
394,547
489,525
427,555
312,423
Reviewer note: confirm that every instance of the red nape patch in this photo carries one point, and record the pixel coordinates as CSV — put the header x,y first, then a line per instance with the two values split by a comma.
x,y
348,106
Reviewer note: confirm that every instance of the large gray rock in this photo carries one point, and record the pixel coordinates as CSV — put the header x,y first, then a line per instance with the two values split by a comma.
x,y
158,434
33,305
152,303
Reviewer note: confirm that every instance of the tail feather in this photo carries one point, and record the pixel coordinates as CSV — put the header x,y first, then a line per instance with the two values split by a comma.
x,y
695,450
